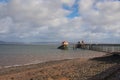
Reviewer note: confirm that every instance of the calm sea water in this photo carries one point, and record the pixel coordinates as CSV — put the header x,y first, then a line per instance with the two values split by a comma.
x,y
29,54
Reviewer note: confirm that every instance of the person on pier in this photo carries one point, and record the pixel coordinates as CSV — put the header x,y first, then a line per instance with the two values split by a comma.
x,y
79,45
82,44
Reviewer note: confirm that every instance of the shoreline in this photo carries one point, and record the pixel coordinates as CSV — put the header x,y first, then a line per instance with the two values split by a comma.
x,y
75,55
67,69
39,63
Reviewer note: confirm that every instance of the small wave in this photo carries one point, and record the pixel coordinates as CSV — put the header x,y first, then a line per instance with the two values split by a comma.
x,y
17,65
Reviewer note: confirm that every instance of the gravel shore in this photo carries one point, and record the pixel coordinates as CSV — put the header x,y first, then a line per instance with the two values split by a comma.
x,y
69,69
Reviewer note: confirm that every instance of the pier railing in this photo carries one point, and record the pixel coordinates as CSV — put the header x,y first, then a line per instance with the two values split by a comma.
x,y
104,47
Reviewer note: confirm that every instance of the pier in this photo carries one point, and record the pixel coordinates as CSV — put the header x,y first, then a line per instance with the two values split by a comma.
x,y
104,47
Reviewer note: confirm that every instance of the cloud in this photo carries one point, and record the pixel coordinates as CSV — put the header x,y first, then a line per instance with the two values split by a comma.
x,y
68,2
101,17
46,20
30,18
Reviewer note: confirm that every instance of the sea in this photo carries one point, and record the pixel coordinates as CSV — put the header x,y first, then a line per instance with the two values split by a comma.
x,y
25,54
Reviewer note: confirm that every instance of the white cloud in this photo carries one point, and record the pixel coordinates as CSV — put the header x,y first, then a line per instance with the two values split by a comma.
x,y
5,24
68,2
38,20
101,17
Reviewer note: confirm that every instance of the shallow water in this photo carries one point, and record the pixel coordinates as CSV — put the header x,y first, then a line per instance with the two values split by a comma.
x,y
30,54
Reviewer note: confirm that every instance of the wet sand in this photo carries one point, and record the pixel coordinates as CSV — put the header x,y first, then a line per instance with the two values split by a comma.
x,y
67,69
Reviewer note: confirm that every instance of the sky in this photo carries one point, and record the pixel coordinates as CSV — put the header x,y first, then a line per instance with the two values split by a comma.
x,y
58,20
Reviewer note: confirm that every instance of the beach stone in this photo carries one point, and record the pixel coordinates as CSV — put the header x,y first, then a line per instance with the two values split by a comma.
x,y
50,78
63,78
12,78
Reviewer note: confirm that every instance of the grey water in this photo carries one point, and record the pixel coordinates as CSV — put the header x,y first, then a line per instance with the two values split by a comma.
x,y
17,54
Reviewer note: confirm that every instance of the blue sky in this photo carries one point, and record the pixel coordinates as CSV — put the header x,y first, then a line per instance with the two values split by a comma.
x,y
58,20
74,9
3,1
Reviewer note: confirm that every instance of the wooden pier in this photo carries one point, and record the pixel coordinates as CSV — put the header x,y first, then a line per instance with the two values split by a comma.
x,y
110,48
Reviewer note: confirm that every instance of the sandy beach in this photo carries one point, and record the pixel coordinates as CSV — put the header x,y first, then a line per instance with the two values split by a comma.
x,y
106,67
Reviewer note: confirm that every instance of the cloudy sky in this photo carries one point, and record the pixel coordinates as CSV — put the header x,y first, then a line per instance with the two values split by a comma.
x,y
58,20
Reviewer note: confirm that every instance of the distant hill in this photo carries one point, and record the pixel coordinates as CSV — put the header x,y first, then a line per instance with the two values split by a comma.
x,y
2,42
